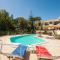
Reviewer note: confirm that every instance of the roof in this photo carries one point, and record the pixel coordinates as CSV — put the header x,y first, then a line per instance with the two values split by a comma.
x,y
51,20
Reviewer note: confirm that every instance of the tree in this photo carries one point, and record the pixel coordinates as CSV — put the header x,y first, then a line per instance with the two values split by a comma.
x,y
21,23
6,23
31,23
37,18
35,23
9,24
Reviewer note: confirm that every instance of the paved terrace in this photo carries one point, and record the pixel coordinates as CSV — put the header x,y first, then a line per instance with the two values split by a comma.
x,y
53,46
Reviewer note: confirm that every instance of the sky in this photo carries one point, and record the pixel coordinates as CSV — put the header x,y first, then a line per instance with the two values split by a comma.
x,y
46,9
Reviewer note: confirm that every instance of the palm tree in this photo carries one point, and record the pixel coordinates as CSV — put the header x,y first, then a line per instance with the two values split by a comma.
x,y
31,19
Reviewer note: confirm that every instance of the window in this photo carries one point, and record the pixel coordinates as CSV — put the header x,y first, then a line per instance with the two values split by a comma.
x,y
50,22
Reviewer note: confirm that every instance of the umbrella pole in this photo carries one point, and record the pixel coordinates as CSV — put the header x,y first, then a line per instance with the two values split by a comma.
x,y
10,58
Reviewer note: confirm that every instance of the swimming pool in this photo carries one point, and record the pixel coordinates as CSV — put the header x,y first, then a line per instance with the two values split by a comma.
x,y
27,39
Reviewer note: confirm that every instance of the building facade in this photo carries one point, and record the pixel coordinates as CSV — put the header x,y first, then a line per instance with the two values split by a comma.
x,y
52,24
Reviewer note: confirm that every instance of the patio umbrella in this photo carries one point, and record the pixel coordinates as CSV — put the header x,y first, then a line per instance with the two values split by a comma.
x,y
42,52
20,51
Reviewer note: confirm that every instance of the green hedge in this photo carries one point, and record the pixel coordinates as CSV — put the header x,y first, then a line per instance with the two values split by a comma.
x,y
3,33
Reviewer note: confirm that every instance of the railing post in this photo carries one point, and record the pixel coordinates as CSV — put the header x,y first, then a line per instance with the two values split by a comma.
x,y
1,45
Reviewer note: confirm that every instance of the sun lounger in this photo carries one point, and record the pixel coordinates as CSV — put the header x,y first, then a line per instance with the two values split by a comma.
x,y
19,52
56,34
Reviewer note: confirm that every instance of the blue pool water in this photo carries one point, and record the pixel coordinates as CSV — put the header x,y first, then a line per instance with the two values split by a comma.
x,y
26,39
